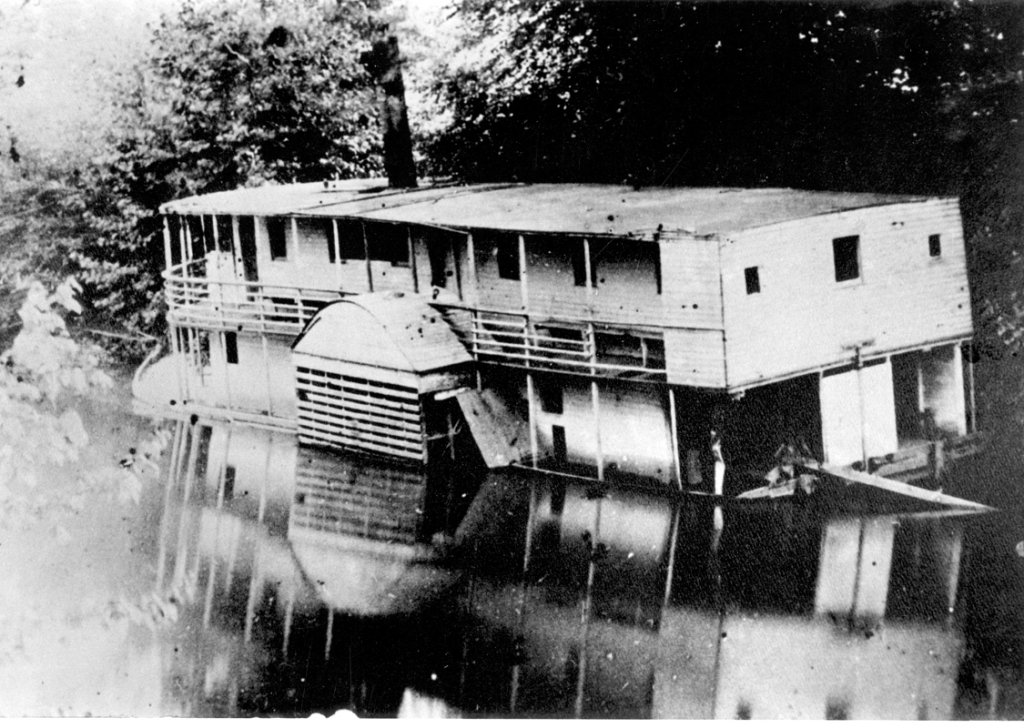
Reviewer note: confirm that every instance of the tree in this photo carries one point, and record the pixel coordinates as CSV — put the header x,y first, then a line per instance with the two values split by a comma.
x,y
233,94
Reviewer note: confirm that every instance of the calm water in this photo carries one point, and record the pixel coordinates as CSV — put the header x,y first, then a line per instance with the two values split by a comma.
x,y
288,581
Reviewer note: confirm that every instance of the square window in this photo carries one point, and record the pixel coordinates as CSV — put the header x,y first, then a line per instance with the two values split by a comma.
x,y
508,257
350,240
389,243
752,279
935,246
278,241
231,346
846,256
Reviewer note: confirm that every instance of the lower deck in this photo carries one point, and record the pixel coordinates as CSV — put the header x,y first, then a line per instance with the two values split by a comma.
x,y
906,416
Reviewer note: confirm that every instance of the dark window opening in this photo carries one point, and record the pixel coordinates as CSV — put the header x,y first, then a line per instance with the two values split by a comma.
x,y
209,243
657,269
328,228
229,482
935,246
557,498
350,240
195,231
753,280
439,244
225,234
629,350
579,266
278,240
550,398
231,346
174,231
846,255
558,446
389,243
508,257
247,243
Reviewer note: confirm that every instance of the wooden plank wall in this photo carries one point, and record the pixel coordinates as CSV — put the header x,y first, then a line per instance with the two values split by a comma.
x,y
802,318
691,312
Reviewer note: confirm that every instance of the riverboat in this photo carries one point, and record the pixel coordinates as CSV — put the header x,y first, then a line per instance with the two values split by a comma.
x,y
613,332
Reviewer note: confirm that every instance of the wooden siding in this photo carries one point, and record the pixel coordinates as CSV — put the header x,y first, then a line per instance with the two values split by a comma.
x,y
635,435
691,312
626,273
695,358
311,253
494,291
692,294
803,319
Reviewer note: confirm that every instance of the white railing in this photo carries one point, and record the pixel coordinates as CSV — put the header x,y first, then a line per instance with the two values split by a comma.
x,y
513,338
195,299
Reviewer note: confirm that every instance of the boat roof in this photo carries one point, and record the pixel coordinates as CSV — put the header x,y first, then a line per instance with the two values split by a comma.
x,y
584,209
421,340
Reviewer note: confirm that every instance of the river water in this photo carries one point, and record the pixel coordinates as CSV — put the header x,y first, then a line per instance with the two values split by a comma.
x,y
266,578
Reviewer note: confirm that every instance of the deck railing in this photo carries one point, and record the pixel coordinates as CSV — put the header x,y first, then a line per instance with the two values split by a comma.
x,y
197,297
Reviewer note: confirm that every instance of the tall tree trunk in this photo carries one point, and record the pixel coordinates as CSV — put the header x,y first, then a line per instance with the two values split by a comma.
x,y
384,62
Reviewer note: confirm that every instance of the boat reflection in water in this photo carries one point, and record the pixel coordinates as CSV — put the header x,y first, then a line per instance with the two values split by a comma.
x,y
314,582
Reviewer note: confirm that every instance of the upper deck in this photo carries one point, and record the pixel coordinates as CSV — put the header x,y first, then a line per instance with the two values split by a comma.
x,y
715,288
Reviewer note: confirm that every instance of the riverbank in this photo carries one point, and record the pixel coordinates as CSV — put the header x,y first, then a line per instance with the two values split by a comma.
x,y
64,649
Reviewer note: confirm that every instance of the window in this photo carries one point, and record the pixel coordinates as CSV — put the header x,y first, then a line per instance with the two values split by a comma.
x,y
225,234
389,243
195,231
507,251
278,241
231,346
174,231
846,255
229,482
753,280
350,240
657,269
935,246
550,398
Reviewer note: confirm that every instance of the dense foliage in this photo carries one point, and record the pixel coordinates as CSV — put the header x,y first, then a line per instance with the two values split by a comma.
x,y
232,94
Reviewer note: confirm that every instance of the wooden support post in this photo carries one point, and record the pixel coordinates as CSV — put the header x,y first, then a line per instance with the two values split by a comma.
x,y
236,246
670,570
588,271
474,290
863,411
295,240
182,242
674,425
595,400
366,255
412,260
266,367
167,245
524,286
532,410
224,363
336,244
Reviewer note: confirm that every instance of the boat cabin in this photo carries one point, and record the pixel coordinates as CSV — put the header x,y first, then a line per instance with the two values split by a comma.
x,y
621,325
